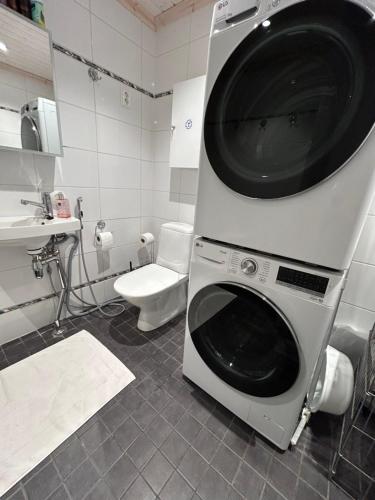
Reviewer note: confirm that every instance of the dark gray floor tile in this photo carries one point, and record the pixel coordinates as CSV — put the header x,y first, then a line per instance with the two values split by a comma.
x,y
82,480
144,415
219,421
141,450
226,462
188,427
237,436
94,436
146,387
173,412
159,399
120,476
206,444
139,490
127,433
248,480
174,448
315,475
212,486
233,494
114,417
259,458
16,495
157,472
106,455
70,457
291,458
305,492
193,467
336,493
130,399
282,479
176,488
101,491
270,493
202,407
158,430
60,494
43,483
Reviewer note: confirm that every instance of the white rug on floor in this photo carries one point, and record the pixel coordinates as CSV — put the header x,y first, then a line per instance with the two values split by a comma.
x,y
45,398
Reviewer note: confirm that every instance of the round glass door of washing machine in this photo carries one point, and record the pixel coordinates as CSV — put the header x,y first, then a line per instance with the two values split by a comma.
x,y
244,339
294,101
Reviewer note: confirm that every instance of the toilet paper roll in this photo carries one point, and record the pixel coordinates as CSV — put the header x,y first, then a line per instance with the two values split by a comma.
x,y
104,240
146,239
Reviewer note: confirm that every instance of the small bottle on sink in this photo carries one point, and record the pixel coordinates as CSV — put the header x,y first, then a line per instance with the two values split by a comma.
x,y
62,207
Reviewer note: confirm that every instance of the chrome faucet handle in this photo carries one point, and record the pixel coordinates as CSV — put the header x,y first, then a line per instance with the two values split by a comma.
x,y
47,202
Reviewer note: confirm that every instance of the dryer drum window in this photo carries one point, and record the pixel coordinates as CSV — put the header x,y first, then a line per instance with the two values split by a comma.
x,y
244,339
294,101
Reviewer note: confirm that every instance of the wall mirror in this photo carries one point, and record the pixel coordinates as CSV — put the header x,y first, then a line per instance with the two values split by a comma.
x,y
29,118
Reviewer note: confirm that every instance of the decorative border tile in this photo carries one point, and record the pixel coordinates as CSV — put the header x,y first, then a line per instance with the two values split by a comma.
x,y
16,307
92,65
5,108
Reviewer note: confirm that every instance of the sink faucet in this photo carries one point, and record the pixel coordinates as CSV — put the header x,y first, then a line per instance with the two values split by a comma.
x,y
46,205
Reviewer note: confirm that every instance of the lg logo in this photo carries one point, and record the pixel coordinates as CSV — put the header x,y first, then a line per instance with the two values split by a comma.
x,y
222,4
188,123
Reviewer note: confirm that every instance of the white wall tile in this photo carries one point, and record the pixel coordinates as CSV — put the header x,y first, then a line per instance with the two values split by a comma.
x,y
166,205
359,289
172,67
148,72
147,146
173,35
10,200
116,137
147,207
198,51
119,18
147,174
162,177
361,320
120,203
125,231
148,112
365,251
78,127
90,204
162,141
201,22
148,40
17,169
163,113
73,84
70,25
189,181
187,208
115,52
108,101
119,172
77,168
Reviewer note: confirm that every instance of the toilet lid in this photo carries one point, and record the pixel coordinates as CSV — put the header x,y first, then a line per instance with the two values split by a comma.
x,y
146,281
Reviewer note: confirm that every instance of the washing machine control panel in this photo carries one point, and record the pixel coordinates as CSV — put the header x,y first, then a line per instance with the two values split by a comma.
x,y
249,266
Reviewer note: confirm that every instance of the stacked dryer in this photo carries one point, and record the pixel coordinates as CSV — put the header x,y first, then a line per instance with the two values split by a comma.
x,y
287,171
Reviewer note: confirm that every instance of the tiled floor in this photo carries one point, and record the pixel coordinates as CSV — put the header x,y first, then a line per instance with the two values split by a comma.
x,y
162,437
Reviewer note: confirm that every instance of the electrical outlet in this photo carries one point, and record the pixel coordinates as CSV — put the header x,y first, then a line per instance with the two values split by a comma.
x,y
125,98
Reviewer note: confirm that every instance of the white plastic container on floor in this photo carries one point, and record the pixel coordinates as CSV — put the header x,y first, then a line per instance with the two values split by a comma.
x,y
334,389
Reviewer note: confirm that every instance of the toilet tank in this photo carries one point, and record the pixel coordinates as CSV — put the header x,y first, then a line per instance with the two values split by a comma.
x,y
175,242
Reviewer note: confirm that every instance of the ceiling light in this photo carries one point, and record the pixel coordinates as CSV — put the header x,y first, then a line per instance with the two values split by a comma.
x,y
3,47
266,23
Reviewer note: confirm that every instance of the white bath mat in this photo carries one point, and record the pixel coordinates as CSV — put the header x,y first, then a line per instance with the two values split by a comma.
x,y
45,398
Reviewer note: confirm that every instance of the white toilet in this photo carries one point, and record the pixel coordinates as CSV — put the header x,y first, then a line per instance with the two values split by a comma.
x,y
160,290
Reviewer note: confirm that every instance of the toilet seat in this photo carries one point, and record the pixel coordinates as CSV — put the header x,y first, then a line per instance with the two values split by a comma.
x,y
147,281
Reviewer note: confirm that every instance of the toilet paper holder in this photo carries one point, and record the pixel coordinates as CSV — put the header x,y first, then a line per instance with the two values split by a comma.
x,y
100,225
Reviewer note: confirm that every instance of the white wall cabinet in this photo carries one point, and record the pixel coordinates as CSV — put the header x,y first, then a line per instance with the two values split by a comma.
x,y
187,121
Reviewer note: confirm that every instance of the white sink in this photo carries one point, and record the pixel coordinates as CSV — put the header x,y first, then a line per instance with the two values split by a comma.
x,y
33,231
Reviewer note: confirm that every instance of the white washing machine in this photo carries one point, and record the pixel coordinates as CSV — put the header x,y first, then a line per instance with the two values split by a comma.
x,y
288,148
257,329
39,126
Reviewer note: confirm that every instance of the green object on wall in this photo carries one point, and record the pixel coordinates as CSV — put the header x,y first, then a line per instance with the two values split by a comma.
x,y
37,12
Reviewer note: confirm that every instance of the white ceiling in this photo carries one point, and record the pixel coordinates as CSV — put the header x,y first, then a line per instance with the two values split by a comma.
x,y
157,7
28,45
